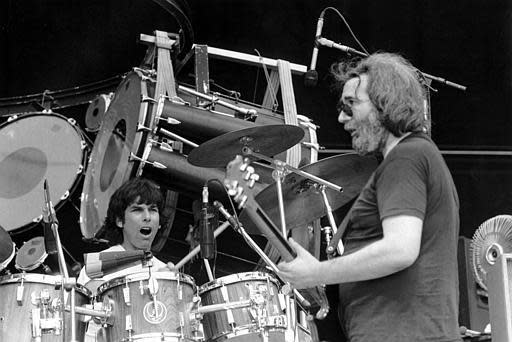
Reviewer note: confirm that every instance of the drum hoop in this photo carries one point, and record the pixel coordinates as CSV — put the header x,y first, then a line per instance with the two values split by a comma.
x,y
181,277
245,329
80,167
38,262
93,198
46,279
237,278
146,336
9,259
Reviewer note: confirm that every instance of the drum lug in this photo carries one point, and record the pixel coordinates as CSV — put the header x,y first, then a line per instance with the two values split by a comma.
x,y
154,164
12,118
72,121
148,99
141,128
314,146
126,295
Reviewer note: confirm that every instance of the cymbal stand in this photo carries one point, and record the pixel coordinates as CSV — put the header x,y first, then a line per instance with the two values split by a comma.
x,y
332,222
248,152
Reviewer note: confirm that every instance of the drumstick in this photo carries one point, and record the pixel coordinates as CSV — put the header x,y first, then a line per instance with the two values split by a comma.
x,y
196,249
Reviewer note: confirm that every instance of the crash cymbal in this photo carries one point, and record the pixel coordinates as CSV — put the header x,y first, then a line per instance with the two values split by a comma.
x,y
7,250
267,140
303,201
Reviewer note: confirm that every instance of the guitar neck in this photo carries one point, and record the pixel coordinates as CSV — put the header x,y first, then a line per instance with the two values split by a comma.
x,y
271,232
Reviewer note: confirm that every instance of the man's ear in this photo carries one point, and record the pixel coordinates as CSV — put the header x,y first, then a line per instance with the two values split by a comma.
x,y
119,222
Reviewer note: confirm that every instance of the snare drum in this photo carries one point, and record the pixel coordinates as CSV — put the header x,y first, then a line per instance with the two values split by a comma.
x,y
265,318
30,308
149,308
35,147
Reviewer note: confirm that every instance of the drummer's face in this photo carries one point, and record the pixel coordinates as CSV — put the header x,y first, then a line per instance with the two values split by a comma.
x,y
140,225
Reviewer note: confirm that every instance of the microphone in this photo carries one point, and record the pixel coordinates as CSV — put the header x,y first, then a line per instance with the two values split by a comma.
x,y
311,76
232,221
206,239
99,264
49,219
329,43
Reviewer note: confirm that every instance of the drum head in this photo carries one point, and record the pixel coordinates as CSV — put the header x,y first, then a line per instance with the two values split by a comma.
x,y
35,147
31,255
96,112
110,164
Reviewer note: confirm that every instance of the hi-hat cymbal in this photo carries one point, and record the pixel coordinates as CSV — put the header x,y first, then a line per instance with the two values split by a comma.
x,y
267,140
303,201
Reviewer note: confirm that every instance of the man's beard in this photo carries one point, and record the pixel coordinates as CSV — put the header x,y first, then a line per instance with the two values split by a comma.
x,y
371,136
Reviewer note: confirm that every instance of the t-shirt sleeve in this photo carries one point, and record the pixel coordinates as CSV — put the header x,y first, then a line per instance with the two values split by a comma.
x,y
402,188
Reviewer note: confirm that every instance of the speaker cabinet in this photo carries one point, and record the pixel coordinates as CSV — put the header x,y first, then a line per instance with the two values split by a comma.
x,y
499,284
473,300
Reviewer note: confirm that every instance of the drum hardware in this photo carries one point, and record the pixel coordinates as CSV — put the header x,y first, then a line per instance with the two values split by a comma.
x,y
301,192
67,282
177,137
39,304
238,227
216,100
332,222
238,172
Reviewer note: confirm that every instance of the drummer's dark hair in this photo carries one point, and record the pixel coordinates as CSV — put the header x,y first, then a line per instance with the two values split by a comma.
x,y
140,190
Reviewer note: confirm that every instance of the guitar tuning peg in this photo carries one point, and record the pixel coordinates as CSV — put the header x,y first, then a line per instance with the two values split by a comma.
x,y
250,169
253,179
238,193
243,167
242,202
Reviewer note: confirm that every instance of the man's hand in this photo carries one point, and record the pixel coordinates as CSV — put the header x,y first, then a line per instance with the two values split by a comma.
x,y
303,271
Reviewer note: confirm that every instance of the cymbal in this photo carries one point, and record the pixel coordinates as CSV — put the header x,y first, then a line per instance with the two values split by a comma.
x,y
7,250
268,140
303,201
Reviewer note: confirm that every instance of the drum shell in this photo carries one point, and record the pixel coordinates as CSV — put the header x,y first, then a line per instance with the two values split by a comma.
x,y
175,293
16,321
239,287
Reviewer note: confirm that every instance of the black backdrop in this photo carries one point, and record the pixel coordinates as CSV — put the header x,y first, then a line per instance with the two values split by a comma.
x,y
60,44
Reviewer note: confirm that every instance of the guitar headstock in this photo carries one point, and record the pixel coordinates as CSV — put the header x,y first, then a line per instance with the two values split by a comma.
x,y
240,180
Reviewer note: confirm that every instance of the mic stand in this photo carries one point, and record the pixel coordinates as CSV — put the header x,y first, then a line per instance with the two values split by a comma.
x,y
329,43
68,283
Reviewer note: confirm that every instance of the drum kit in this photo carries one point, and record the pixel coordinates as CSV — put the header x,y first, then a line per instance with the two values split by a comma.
x,y
181,146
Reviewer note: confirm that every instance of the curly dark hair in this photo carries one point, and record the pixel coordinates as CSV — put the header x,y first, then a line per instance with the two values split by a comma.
x,y
139,190
394,88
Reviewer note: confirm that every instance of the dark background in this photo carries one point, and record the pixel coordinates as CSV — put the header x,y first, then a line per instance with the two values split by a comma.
x,y
62,44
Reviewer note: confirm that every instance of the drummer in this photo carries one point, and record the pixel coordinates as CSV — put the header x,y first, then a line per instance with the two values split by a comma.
x,y
132,222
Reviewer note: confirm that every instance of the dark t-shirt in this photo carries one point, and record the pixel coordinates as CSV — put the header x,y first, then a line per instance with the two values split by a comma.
x,y
419,303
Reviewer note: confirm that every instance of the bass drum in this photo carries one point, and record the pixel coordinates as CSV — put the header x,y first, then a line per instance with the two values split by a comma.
x,y
35,147
137,137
